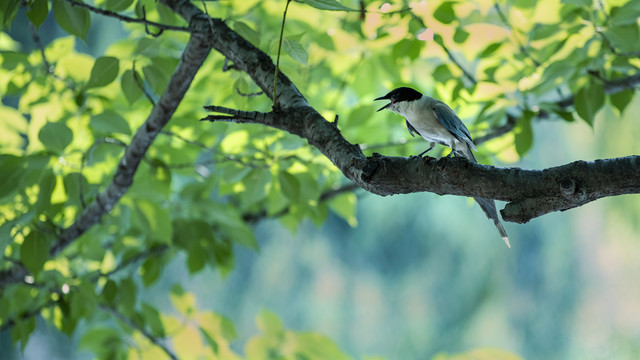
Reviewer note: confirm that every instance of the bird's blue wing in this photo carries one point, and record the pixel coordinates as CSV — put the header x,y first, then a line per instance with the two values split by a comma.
x,y
412,130
452,122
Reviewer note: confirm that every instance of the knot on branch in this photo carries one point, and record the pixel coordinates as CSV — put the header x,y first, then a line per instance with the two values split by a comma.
x,y
567,187
571,189
371,167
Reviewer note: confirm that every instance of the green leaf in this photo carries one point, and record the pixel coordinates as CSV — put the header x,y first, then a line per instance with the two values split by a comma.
x,y
621,99
361,115
153,219
109,291
117,5
151,270
104,342
184,302
625,15
289,185
5,234
331,5
460,35
317,346
624,38
345,206
109,122
235,142
34,252
22,330
73,19
159,72
37,12
8,11
127,291
152,320
47,183
408,47
246,32
524,133
491,49
196,259
55,136
12,169
130,87
589,100
442,73
269,323
216,326
444,13
543,31
104,71
295,50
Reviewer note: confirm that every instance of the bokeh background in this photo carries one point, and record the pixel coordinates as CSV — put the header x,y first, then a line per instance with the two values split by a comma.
x,y
421,274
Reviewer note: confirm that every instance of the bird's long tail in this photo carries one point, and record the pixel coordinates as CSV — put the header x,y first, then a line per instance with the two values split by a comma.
x,y
488,205
489,208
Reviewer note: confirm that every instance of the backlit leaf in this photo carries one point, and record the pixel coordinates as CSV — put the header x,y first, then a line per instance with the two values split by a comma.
x,y
589,100
34,251
289,185
295,50
73,19
109,122
331,5
104,71
444,13
55,136
38,12
130,87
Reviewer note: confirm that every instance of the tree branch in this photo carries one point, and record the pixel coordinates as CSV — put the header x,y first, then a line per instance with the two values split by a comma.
x,y
140,329
194,55
128,18
530,193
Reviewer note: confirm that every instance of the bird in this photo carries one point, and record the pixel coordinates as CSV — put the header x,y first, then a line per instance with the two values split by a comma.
x,y
436,122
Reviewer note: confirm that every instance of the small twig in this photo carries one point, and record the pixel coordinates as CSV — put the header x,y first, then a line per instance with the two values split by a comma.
x,y
499,131
188,141
611,48
249,94
226,67
275,78
128,18
325,196
330,194
466,73
9,323
48,68
506,22
140,84
146,25
133,259
132,324
204,6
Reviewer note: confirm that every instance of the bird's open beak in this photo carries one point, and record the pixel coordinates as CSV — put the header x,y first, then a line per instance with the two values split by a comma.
x,y
383,98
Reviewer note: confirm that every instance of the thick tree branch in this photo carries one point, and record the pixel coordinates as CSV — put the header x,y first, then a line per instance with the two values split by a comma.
x,y
530,193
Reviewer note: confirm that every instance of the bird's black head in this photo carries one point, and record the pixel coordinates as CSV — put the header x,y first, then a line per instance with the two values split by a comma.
x,y
400,94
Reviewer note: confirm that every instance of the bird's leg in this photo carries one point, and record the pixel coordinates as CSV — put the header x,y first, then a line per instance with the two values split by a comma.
x,y
430,147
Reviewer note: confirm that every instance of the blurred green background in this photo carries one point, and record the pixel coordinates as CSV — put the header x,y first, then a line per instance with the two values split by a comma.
x,y
422,274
